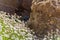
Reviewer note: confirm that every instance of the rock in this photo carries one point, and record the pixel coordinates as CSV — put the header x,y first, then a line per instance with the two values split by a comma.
x,y
24,9
18,6
25,6
43,16
8,5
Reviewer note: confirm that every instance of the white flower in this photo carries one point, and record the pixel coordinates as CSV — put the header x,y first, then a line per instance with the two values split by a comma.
x,y
0,37
15,31
29,38
45,39
22,33
58,38
16,38
6,35
0,28
13,37
30,35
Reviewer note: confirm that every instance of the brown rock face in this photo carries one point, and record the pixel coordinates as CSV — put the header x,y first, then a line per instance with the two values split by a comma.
x,y
8,5
20,6
45,16
24,7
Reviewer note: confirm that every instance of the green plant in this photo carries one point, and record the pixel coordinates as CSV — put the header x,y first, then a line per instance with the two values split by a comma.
x,y
9,32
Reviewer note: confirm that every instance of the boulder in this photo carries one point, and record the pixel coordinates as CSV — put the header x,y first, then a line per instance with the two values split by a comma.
x,y
8,5
21,7
24,7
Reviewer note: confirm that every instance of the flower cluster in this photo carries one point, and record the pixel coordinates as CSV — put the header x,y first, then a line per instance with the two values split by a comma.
x,y
13,29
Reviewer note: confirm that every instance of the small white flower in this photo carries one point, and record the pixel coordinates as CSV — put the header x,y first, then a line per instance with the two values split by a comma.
x,y
13,37
6,35
6,26
15,31
28,38
44,39
0,37
16,38
14,28
58,38
30,35
0,28
22,33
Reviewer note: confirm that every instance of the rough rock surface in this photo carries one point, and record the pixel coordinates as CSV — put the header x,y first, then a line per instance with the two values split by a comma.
x,y
22,7
45,16
8,5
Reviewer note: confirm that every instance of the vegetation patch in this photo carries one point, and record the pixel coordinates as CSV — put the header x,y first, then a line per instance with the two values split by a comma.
x,y
9,29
